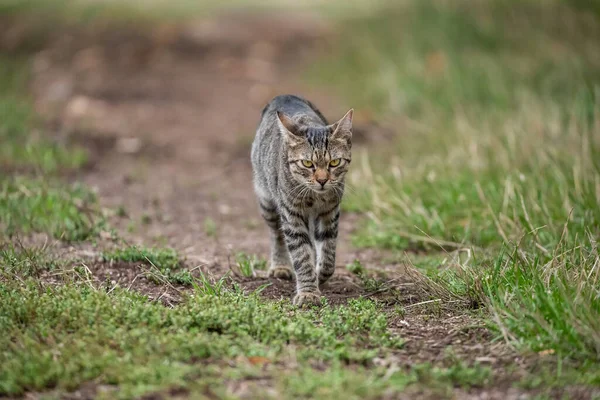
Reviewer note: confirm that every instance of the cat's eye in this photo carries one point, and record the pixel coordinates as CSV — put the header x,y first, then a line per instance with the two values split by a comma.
x,y
307,163
335,163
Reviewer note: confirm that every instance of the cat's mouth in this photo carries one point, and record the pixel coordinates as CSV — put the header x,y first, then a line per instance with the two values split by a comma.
x,y
320,189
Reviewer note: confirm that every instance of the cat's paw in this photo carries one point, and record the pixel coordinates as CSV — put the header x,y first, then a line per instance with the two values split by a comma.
x,y
307,299
323,281
281,272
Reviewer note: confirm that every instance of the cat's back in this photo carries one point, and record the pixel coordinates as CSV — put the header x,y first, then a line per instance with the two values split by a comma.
x,y
292,106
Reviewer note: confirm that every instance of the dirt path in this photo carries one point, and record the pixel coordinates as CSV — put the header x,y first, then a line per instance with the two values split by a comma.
x,y
169,118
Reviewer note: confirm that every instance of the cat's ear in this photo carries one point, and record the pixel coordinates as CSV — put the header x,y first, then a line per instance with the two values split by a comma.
x,y
287,123
343,128
290,127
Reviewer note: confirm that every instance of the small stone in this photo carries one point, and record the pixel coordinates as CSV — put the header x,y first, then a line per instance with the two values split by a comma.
x,y
88,59
78,106
260,70
224,209
105,235
129,145
259,93
263,50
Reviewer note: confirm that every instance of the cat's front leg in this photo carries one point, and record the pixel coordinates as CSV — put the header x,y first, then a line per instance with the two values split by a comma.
x,y
326,231
302,254
280,266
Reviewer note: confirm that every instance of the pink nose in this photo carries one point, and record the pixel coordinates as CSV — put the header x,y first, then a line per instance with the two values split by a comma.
x,y
322,181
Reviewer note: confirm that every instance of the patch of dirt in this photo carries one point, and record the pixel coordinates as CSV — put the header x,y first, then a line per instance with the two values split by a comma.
x,y
338,290
139,277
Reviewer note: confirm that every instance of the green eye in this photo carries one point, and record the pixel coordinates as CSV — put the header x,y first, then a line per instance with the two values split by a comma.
x,y
307,163
335,163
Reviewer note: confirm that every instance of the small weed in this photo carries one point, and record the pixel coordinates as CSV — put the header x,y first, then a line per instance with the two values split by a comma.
x,y
162,258
24,261
210,227
356,268
399,311
247,264
146,219
372,284
131,226
121,212
181,277
207,288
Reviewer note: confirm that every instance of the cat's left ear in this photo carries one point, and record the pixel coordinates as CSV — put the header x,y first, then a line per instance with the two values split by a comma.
x,y
343,128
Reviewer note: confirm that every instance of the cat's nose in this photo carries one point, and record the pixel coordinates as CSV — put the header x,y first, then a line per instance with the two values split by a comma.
x,y
322,181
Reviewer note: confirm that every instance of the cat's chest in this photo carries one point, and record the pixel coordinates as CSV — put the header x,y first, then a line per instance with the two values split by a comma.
x,y
312,204
315,204
312,208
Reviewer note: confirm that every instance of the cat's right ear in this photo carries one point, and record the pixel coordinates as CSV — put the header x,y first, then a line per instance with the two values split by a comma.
x,y
290,127
287,123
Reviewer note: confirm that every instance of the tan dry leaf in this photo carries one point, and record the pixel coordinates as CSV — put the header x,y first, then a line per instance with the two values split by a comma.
x,y
546,352
258,360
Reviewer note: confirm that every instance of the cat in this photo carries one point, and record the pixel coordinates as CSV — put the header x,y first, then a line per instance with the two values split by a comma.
x,y
299,162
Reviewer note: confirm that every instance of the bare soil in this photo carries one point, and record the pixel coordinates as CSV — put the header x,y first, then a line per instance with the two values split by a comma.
x,y
168,117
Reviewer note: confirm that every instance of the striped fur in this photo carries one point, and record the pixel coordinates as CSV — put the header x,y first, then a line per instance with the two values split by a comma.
x,y
299,189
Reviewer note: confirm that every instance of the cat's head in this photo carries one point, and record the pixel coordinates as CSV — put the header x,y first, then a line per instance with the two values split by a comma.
x,y
318,156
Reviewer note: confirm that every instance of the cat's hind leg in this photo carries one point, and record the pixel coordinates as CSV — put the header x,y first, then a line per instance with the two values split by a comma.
x,y
280,265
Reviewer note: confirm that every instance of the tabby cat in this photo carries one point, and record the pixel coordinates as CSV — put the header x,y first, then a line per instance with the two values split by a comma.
x,y
299,163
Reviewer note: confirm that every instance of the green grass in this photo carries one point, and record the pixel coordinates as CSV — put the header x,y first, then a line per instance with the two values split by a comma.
x,y
550,303
67,212
147,345
19,260
58,337
340,383
497,108
160,11
34,201
24,148
478,169
164,263
356,268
